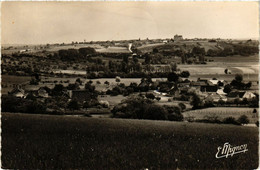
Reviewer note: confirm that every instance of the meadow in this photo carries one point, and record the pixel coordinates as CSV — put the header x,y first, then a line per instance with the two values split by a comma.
x,y
8,81
248,66
223,112
57,142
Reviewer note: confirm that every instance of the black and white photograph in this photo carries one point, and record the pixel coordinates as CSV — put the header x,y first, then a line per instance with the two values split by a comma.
x,y
140,85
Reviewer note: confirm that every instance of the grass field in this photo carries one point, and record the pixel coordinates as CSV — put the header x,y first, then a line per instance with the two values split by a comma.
x,y
223,112
8,81
113,100
57,142
15,79
114,50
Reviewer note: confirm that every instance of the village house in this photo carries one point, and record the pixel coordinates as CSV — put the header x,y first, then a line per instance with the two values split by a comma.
x,y
205,85
215,97
165,41
218,82
240,95
209,88
184,82
221,92
42,92
200,82
37,93
18,92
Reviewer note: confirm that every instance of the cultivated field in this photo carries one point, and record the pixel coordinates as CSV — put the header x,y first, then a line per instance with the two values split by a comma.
x,y
113,100
236,64
55,142
223,112
51,48
113,50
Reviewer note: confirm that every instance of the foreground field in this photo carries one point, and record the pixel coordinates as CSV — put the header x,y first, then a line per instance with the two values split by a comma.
x,y
222,113
54,142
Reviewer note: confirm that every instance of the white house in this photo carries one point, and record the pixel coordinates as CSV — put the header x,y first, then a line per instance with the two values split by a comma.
x,y
18,92
248,95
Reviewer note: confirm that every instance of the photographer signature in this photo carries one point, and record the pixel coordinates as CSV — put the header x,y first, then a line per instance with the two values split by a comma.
x,y
228,150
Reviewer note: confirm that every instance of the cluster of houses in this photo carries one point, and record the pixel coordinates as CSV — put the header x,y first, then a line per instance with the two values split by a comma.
x,y
21,93
208,90
41,92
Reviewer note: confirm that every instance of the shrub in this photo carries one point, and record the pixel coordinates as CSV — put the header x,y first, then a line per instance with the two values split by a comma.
x,y
14,104
91,103
210,119
73,105
221,102
35,107
209,104
182,106
175,117
89,87
106,82
172,109
184,97
230,120
74,86
58,90
172,77
129,90
227,88
155,112
254,102
243,119
139,108
34,82
116,91
196,101
91,76
185,74
150,96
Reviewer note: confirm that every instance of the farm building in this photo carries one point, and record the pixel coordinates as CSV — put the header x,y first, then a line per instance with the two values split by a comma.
x,y
249,95
178,37
184,84
215,97
208,88
39,93
105,103
42,92
204,85
216,82
241,95
221,92
18,92
201,82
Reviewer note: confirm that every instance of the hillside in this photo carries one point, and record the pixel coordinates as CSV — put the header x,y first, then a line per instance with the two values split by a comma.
x,y
54,142
142,45
188,45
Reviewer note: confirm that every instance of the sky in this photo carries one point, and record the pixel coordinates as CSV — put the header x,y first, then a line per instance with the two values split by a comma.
x,y
58,22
